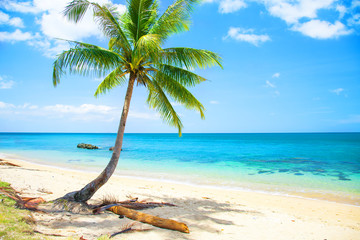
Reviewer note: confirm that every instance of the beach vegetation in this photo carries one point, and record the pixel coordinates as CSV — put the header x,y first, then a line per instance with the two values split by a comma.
x,y
135,56
15,223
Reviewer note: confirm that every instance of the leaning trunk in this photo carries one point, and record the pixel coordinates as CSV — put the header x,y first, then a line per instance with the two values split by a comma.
x,y
89,190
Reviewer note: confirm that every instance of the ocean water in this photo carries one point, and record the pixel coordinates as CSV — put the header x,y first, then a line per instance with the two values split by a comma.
x,y
319,165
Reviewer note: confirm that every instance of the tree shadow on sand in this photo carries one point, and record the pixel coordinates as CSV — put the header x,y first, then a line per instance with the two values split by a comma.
x,y
200,214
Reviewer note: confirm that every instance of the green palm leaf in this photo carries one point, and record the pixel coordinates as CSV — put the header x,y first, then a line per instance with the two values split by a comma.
x,y
190,58
179,93
158,100
140,17
84,59
114,79
147,48
182,76
104,16
175,19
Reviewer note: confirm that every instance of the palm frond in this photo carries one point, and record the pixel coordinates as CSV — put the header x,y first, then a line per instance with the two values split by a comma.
x,y
84,59
158,100
76,10
179,93
113,79
175,19
190,58
148,47
105,16
140,17
184,77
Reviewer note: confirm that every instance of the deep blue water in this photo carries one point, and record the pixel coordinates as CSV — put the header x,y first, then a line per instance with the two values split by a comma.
x,y
291,161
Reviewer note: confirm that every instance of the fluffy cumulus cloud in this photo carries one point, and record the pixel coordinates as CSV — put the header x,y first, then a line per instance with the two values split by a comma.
x,y
322,29
5,19
84,112
228,6
292,11
15,36
303,15
247,35
48,15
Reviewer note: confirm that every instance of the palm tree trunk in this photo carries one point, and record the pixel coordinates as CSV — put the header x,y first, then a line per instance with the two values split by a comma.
x,y
89,190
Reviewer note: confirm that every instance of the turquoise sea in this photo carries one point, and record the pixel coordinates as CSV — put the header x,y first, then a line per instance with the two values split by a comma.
x,y
319,165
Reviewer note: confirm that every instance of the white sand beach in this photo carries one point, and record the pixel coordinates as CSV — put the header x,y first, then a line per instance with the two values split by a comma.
x,y
209,213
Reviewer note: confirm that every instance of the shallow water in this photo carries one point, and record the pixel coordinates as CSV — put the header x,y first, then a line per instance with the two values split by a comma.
x,y
316,163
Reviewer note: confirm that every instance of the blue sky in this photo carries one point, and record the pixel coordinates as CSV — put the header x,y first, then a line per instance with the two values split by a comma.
x,y
289,66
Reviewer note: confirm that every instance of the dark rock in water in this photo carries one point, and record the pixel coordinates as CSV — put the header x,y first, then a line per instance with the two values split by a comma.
x,y
112,149
344,178
298,174
264,171
284,170
87,146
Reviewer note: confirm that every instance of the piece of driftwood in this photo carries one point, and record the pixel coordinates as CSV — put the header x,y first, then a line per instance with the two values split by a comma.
x,y
6,163
145,218
22,202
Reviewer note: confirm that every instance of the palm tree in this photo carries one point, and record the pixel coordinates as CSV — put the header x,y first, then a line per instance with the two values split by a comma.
x,y
135,55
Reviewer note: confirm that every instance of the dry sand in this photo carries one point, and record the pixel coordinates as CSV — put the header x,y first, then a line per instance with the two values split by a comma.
x,y
209,213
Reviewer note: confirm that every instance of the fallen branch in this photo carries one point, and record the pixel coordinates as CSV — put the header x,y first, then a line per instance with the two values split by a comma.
x,y
145,218
6,163
22,202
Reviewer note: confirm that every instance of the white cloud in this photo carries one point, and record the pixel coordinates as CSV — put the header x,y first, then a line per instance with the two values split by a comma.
x,y
354,20
4,105
337,91
7,20
246,35
82,109
6,84
276,75
269,84
214,102
355,3
84,112
292,11
15,36
229,6
322,29
53,24
17,6
342,10
48,47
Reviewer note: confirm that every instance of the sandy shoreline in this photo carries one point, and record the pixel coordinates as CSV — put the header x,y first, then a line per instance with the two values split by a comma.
x,y
209,213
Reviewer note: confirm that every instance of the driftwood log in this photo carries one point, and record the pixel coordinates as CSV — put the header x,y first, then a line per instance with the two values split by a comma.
x,y
150,219
144,218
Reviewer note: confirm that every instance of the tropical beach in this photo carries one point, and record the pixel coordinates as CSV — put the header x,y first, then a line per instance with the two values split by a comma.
x,y
188,119
211,205
211,213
